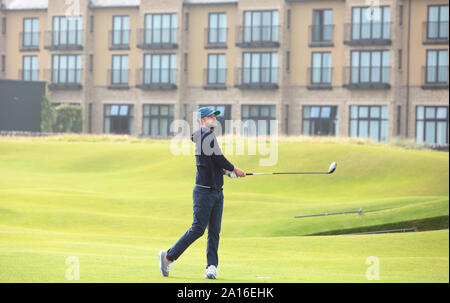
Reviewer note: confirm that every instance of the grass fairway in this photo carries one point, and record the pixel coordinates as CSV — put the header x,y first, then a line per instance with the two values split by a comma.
x,y
114,202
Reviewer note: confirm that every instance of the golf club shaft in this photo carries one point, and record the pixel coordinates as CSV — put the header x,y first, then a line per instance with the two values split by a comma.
x,y
297,173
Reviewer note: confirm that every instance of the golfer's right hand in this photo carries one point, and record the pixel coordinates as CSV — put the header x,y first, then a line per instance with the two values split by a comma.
x,y
239,172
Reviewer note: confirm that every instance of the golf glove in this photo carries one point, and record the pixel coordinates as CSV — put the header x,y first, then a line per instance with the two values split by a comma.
x,y
231,174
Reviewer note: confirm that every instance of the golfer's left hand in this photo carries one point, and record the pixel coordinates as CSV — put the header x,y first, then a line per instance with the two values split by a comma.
x,y
239,172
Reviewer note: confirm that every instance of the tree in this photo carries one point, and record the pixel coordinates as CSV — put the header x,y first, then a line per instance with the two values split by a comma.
x,y
48,115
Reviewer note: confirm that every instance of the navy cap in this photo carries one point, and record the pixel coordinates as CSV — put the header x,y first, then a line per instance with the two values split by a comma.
x,y
206,111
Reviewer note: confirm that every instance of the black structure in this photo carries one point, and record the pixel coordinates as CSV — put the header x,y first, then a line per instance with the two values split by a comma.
x,y
20,105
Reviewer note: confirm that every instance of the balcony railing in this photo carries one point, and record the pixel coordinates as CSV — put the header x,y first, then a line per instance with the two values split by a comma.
x,y
216,38
156,79
321,35
214,78
319,77
257,36
371,33
29,74
158,38
64,40
29,41
435,32
119,39
367,77
61,79
435,77
257,78
118,78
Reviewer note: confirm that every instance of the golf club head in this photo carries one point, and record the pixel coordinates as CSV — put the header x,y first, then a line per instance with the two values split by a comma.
x,y
332,168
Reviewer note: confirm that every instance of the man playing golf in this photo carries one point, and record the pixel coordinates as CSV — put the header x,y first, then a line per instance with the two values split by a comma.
x,y
207,195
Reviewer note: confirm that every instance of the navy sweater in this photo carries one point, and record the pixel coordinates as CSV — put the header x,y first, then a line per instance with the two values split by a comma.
x,y
209,159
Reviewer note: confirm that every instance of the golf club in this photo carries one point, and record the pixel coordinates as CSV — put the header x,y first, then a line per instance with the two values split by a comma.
x,y
331,170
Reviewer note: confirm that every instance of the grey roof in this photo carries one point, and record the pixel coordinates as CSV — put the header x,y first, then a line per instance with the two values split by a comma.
x,y
25,4
206,2
115,3
43,4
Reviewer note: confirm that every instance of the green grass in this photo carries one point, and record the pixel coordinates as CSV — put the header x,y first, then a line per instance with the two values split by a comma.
x,y
114,202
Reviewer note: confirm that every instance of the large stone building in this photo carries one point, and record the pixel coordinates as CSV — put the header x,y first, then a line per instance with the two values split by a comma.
x,y
375,69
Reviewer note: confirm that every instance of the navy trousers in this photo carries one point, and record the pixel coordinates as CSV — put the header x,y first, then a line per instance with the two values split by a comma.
x,y
208,209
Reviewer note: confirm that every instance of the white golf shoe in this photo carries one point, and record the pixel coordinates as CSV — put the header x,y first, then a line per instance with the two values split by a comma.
x,y
211,272
164,264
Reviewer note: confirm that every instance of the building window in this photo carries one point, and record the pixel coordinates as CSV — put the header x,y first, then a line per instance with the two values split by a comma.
x,y
256,119
369,122
399,119
217,30
161,28
225,115
322,28
371,23
288,61
216,69
91,63
121,31
3,63
66,69
370,67
320,120
321,68
118,119
30,32
30,68
260,26
67,31
288,22
90,118
432,125
437,67
92,24
400,59
120,69
260,68
400,15
4,25
157,120
437,26
159,68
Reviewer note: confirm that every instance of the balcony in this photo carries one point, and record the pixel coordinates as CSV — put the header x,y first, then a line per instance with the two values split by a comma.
x,y
216,38
214,78
156,79
371,77
118,78
64,79
321,35
160,38
367,34
29,42
435,33
257,78
319,78
435,77
64,40
257,36
29,74
119,39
